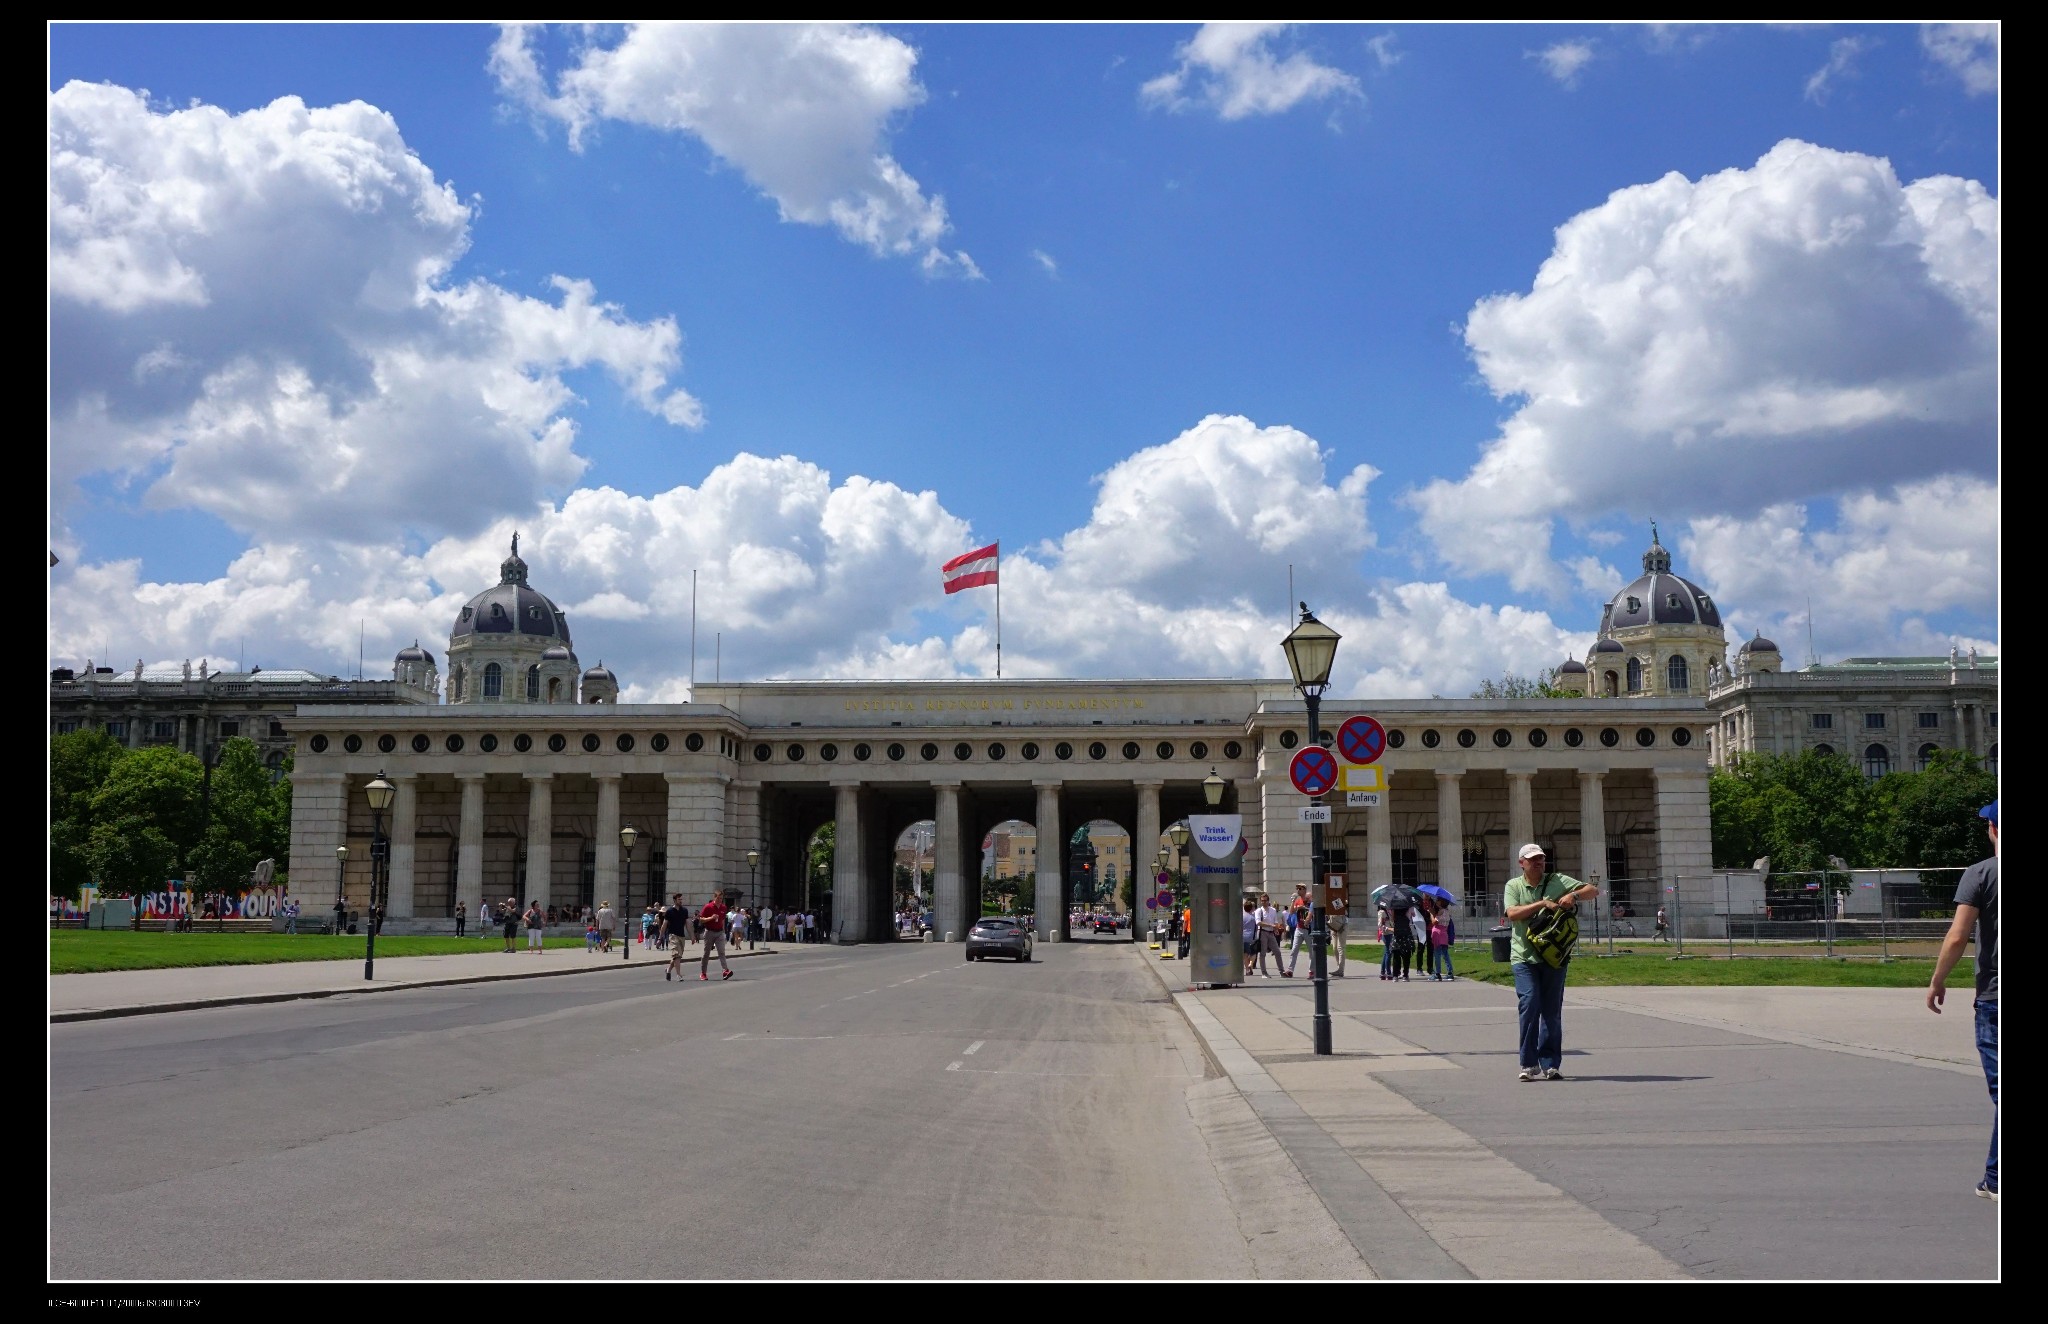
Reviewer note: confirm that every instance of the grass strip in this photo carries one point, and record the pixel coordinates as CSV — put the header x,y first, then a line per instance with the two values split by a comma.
x,y
82,951
1710,967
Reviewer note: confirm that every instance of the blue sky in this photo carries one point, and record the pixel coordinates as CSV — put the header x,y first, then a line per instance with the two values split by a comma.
x,y
1439,316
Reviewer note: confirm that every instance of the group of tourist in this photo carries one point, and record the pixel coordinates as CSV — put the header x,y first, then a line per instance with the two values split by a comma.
x,y
1418,935
1278,932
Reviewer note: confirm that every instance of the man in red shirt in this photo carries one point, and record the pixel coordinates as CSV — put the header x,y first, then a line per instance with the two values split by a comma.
x,y
711,923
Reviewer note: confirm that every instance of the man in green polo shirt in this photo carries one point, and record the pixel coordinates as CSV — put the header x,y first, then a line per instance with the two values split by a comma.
x,y
1539,986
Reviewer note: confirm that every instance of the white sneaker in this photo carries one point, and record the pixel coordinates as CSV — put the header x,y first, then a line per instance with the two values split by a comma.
x,y
1528,1073
1552,1073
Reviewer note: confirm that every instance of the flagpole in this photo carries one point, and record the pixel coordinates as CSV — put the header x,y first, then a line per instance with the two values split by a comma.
x,y
999,611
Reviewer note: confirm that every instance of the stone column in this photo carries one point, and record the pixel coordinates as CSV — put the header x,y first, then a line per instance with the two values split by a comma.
x,y
319,824
849,884
951,913
1450,829
1593,826
696,836
1144,849
1521,810
1379,843
404,850
1051,898
1685,844
605,875
539,882
469,849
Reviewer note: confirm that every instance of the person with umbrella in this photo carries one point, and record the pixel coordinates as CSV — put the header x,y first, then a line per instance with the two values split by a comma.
x,y
1441,927
1399,902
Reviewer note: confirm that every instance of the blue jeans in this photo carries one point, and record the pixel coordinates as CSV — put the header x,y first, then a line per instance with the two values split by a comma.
x,y
1440,961
1987,1053
1539,1008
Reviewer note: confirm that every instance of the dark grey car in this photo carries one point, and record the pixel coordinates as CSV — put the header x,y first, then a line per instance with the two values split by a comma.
x,y
998,935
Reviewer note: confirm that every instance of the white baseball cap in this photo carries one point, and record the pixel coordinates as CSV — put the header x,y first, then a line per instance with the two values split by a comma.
x,y
1530,851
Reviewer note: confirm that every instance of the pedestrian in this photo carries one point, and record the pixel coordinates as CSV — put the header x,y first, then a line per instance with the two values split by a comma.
x,y
1400,934
712,922
810,926
674,922
590,936
1440,946
1300,919
1251,934
1539,895
508,916
1418,935
461,918
1977,912
753,919
1663,926
768,922
290,911
1383,929
1272,922
536,927
607,925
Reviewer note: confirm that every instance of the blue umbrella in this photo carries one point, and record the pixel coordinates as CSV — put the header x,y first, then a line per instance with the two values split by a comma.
x,y
1431,889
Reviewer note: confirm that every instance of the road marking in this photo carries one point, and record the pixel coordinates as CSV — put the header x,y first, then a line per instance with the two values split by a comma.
x,y
952,1066
741,1035
974,1047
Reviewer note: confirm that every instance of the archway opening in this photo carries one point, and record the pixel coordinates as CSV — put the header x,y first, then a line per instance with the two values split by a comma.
x,y
912,873
1101,886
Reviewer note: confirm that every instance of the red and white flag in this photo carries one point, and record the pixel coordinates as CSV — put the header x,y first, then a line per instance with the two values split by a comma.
x,y
971,569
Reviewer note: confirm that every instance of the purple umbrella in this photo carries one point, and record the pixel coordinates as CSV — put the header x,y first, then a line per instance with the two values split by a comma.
x,y
1431,889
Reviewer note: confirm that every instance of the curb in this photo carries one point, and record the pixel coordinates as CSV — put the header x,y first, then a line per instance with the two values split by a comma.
x,y
255,999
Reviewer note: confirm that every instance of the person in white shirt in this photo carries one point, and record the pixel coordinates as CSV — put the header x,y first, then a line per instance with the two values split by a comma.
x,y
1271,919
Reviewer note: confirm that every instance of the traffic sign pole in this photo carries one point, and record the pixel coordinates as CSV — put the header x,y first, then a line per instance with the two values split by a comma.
x,y
1319,914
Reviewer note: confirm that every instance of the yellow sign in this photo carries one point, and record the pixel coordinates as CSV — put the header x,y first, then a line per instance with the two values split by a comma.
x,y
1363,777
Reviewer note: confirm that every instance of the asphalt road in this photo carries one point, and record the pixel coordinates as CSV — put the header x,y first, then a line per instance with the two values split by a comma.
x,y
866,1112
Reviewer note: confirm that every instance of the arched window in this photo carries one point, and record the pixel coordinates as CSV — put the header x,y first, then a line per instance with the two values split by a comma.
x,y
1927,753
455,686
533,684
1877,761
1825,751
494,681
554,689
1674,670
1635,675
1613,685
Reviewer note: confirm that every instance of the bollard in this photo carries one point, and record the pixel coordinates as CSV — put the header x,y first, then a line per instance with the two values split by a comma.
x,y
950,936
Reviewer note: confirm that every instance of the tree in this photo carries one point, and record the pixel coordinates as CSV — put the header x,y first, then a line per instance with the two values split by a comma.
x,y
1929,819
1512,686
130,856
157,786
80,762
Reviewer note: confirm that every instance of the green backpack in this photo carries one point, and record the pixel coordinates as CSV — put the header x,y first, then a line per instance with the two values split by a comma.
x,y
1552,934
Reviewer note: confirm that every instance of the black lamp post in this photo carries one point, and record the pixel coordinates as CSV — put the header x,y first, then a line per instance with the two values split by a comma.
x,y
1311,650
380,794
627,836
1178,835
340,877
753,862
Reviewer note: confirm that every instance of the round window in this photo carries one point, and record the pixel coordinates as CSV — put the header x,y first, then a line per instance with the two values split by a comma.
x,y
1165,749
795,753
1430,739
318,744
996,752
591,743
522,742
1681,737
895,753
1098,750
1233,750
762,753
1197,750
658,742
421,744
1574,737
1029,749
1609,737
863,752
1063,750
1288,740
963,752
454,743
1503,738
1396,739
558,742
1645,737
625,742
1466,738
487,743
1539,738
385,744
828,752
1131,750
927,751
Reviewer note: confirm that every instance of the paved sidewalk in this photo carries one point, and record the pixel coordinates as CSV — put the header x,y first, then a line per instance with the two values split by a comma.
x,y
1728,1133
147,992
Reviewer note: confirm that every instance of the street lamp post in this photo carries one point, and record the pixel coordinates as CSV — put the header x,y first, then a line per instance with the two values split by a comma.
x,y
1311,649
627,836
340,876
753,862
380,794
1178,834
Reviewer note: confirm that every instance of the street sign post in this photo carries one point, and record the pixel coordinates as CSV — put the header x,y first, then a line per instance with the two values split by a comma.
x,y
1314,813
1361,739
1313,770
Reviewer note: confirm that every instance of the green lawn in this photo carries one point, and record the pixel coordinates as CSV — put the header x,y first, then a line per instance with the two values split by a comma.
x,y
1705,964
79,951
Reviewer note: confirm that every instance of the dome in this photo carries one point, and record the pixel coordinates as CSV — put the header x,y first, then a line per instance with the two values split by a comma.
x,y
1659,597
557,654
1572,666
600,672
1757,645
511,607
1608,646
415,654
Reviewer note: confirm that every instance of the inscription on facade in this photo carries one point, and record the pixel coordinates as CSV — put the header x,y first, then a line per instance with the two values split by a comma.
x,y
996,703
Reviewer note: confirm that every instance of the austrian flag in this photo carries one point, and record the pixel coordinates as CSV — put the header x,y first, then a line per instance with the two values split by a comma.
x,y
971,569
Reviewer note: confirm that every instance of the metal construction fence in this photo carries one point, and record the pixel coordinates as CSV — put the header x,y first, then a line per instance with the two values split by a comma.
x,y
1850,913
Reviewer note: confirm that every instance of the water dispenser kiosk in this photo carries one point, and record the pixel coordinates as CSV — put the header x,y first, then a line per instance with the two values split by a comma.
x,y
1216,895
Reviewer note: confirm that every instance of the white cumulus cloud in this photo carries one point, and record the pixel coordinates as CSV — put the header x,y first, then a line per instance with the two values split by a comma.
x,y
803,111
1806,326
254,314
1233,69
1967,50
1564,61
